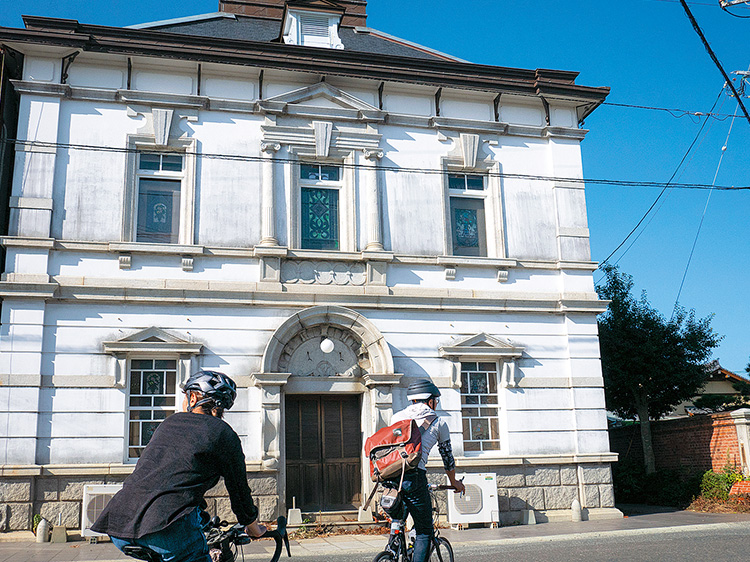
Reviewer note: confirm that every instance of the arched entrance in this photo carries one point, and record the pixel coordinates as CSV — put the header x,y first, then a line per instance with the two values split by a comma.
x,y
319,403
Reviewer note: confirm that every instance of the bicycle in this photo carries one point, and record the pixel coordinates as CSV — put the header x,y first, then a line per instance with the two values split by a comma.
x,y
223,541
397,549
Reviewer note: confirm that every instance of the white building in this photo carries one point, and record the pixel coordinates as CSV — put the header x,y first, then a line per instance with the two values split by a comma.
x,y
226,191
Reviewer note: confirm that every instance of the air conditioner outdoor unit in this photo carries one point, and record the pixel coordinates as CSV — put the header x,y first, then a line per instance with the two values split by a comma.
x,y
95,498
478,504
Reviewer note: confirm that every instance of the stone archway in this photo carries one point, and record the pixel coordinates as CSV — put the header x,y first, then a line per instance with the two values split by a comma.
x,y
374,356
361,363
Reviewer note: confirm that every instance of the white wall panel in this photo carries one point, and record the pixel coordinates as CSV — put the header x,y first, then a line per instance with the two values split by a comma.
x,y
103,400
541,443
540,420
538,399
591,419
235,88
82,450
163,82
593,441
82,424
19,398
96,76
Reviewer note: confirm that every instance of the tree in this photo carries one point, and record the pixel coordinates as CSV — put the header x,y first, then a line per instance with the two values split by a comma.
x,y
650,364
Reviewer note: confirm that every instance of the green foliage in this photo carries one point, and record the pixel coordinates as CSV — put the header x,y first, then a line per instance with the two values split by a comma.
x,y
670,488
35,522
648,360
716,485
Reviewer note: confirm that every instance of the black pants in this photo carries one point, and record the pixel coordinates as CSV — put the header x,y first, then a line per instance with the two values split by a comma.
x,y
416,501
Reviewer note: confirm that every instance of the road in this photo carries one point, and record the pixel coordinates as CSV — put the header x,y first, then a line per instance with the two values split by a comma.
x,y
728,543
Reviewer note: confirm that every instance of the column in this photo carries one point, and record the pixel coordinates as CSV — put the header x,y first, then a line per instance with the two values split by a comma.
x,y
372,198
268,218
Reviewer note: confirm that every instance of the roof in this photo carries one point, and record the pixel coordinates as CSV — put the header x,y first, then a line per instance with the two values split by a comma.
x,y
381,66
230,26
717,372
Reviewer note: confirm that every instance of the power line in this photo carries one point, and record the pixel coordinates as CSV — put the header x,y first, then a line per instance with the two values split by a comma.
x,y
668,184
711,53
397,169
703,217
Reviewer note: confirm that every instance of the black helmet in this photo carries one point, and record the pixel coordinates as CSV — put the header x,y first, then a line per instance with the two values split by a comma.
x,y
423,389
214,386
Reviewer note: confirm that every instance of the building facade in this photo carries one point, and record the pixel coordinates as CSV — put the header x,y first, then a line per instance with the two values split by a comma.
x,y
322,211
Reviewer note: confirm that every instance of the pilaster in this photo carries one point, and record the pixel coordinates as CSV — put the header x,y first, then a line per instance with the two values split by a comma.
x,y
372,197
270,385
268,217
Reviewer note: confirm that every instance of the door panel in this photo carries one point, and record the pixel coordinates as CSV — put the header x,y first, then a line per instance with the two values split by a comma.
x,y
323,444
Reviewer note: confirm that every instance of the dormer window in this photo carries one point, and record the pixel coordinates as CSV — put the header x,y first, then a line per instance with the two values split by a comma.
x,y
312,29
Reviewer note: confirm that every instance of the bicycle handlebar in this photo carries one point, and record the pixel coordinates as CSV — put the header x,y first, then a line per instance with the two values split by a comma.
x,y
237,535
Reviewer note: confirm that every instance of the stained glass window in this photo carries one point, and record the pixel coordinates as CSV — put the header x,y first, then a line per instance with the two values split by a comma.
x,y
479,406
467,224
158,210
153,387
320,218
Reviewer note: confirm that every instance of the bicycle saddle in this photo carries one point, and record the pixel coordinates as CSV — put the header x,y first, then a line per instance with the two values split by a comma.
x,y
141,553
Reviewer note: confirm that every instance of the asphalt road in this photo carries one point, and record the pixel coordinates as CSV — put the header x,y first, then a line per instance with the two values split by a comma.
x,y
731,543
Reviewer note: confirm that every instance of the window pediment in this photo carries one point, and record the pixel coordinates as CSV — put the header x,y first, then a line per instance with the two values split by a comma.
x,y
482,346
153,340
321,95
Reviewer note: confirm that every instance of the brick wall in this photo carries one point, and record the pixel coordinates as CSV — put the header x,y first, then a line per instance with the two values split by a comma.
x,y
696,444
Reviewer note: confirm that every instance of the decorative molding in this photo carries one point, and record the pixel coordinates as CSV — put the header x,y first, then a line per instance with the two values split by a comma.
x,y
162,121
502,275
324,273
469,149
187,263
323,132
481,346
270,147
125,261
450,273
153,340
373,154
344,140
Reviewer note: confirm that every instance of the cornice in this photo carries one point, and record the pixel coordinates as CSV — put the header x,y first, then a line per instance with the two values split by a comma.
x,y
217,293
93,38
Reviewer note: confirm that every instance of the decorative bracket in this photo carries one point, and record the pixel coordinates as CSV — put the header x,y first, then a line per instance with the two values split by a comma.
x,y
66,62
469,149
373,154
162,120
270,147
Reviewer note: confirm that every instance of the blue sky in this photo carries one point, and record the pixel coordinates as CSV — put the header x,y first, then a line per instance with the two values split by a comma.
x,y
648,53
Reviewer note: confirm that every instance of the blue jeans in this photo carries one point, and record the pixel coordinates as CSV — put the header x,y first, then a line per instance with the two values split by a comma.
x,y
182,541
416,497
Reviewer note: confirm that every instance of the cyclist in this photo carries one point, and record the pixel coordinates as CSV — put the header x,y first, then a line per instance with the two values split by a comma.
x,y
159,506
424,396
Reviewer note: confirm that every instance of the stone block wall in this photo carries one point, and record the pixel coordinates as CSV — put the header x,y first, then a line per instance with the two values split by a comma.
x,y
55,497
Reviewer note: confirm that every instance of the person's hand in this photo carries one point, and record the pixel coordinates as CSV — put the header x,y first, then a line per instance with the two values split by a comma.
x,y
459,486
255,529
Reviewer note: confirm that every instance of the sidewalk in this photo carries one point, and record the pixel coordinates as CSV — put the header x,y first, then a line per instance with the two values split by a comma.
x,y
654,523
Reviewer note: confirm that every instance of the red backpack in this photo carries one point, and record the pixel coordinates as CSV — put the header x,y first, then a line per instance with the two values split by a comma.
x,y
396,449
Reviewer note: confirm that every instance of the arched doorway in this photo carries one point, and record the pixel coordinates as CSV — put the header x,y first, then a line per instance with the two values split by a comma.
x,y
320,402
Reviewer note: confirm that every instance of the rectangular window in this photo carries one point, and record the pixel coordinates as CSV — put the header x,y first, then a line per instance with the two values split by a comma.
x,y
159,187
152,398
319,206
464,182
479,407
468,226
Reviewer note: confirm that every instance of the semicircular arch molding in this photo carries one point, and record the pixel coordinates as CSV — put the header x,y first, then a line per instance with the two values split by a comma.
x,y
345,319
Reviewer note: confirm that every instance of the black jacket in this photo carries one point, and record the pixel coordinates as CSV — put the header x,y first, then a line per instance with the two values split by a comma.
x,y
184,459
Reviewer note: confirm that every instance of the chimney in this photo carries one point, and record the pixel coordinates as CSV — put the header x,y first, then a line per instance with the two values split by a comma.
x,y
355,11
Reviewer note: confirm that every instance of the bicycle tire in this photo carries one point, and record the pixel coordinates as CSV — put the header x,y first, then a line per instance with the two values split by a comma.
x,y
384,556
442,551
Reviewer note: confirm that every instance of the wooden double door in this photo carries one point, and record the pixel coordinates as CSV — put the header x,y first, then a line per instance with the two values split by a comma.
x,y
323,452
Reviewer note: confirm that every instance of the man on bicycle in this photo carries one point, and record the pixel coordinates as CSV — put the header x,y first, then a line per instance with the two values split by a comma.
x,y
424,396
159,506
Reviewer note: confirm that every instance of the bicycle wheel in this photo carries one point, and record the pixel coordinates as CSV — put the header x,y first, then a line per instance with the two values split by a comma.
x,y
384,556
442,551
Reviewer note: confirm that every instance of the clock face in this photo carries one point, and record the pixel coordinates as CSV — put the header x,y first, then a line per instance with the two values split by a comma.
x,y
309,360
